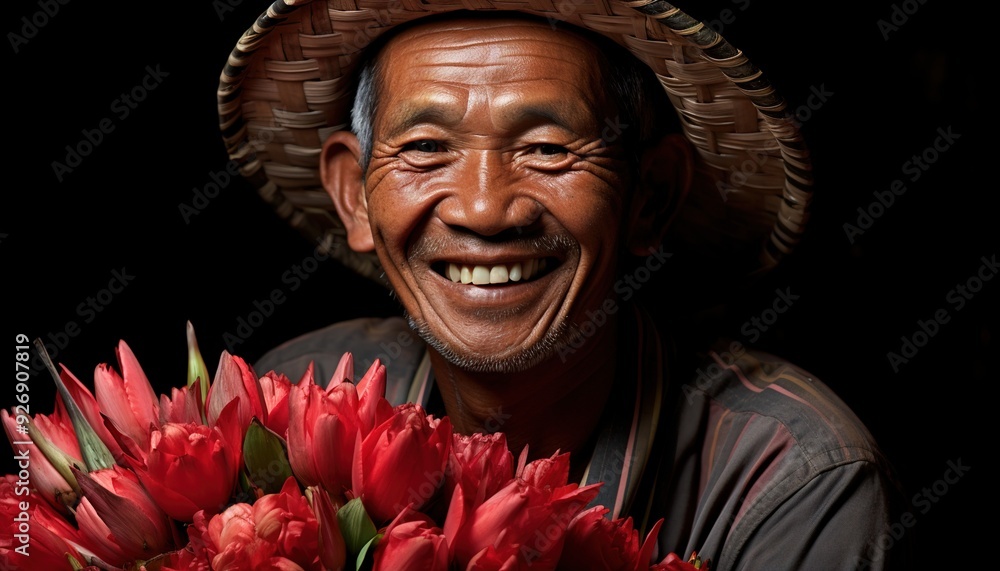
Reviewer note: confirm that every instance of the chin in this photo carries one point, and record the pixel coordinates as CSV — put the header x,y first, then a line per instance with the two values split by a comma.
x,y
516,362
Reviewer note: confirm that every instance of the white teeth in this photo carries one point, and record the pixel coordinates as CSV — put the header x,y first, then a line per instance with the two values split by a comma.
x,y
499,274
480,275
515,272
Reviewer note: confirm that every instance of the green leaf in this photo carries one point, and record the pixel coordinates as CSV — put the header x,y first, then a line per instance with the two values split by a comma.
x,y
365,558
197,369
266,458
356,526
96,455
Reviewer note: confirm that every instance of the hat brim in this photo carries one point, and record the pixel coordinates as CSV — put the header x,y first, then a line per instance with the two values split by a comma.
x,y
289,83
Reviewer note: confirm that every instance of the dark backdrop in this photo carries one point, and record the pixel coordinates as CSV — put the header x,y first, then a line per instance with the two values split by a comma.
x,y
870,98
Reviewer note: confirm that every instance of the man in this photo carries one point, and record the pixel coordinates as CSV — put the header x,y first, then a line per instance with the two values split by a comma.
x,y
504,213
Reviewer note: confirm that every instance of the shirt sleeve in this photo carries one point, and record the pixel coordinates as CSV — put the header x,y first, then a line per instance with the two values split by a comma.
x,y
839,520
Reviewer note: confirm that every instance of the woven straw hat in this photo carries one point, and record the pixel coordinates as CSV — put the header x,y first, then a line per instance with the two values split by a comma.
x,y
290,82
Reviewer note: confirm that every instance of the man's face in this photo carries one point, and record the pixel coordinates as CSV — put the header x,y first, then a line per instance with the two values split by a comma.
x,y
488,166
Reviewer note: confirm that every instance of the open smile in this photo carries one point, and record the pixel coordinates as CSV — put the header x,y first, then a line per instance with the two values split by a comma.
x,y
495,274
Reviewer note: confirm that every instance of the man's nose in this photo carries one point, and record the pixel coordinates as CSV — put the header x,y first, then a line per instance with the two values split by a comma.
x,y
489,197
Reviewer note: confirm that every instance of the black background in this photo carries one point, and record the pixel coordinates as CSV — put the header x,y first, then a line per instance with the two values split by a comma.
x,y
887,97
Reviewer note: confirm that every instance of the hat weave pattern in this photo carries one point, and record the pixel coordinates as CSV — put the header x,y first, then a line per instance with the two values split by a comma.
x,y
289,83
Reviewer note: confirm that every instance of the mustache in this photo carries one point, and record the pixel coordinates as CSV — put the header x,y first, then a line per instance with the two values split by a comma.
x,y
545,245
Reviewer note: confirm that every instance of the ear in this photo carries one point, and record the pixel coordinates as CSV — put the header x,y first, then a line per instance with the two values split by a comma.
x,y
343,180
665,174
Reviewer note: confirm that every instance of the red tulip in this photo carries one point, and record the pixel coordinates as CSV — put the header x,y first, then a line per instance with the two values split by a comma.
x,y
323,432
54,483
127,399
481,463
235,379
276,388
190,467
595,542
332,547
119,520
402,462
524,524
412,543
182,405
32,534
278,532
90,409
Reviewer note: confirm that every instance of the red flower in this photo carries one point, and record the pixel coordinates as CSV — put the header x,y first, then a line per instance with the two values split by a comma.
x,y
481,463
412,543
279,531
127,400
522,526
595,542
402,463
236,380
119,520
190,467
326,426
276,388
55,486
32,534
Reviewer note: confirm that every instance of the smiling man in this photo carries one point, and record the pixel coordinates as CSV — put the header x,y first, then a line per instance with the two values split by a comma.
x,y
502,173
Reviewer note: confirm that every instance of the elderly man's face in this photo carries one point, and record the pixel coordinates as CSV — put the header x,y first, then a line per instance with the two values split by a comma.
x,y
495,206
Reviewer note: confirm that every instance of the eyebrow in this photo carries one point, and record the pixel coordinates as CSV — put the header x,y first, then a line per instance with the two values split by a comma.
x,y
413,114
516,116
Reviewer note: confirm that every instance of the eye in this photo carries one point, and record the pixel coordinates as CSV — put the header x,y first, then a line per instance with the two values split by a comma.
x,y
423,146
550,150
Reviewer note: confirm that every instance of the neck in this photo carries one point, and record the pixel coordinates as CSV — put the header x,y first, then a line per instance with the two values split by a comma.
x,y
553,407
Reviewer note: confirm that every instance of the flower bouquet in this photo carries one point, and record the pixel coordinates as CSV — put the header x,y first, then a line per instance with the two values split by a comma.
x,y
240,471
